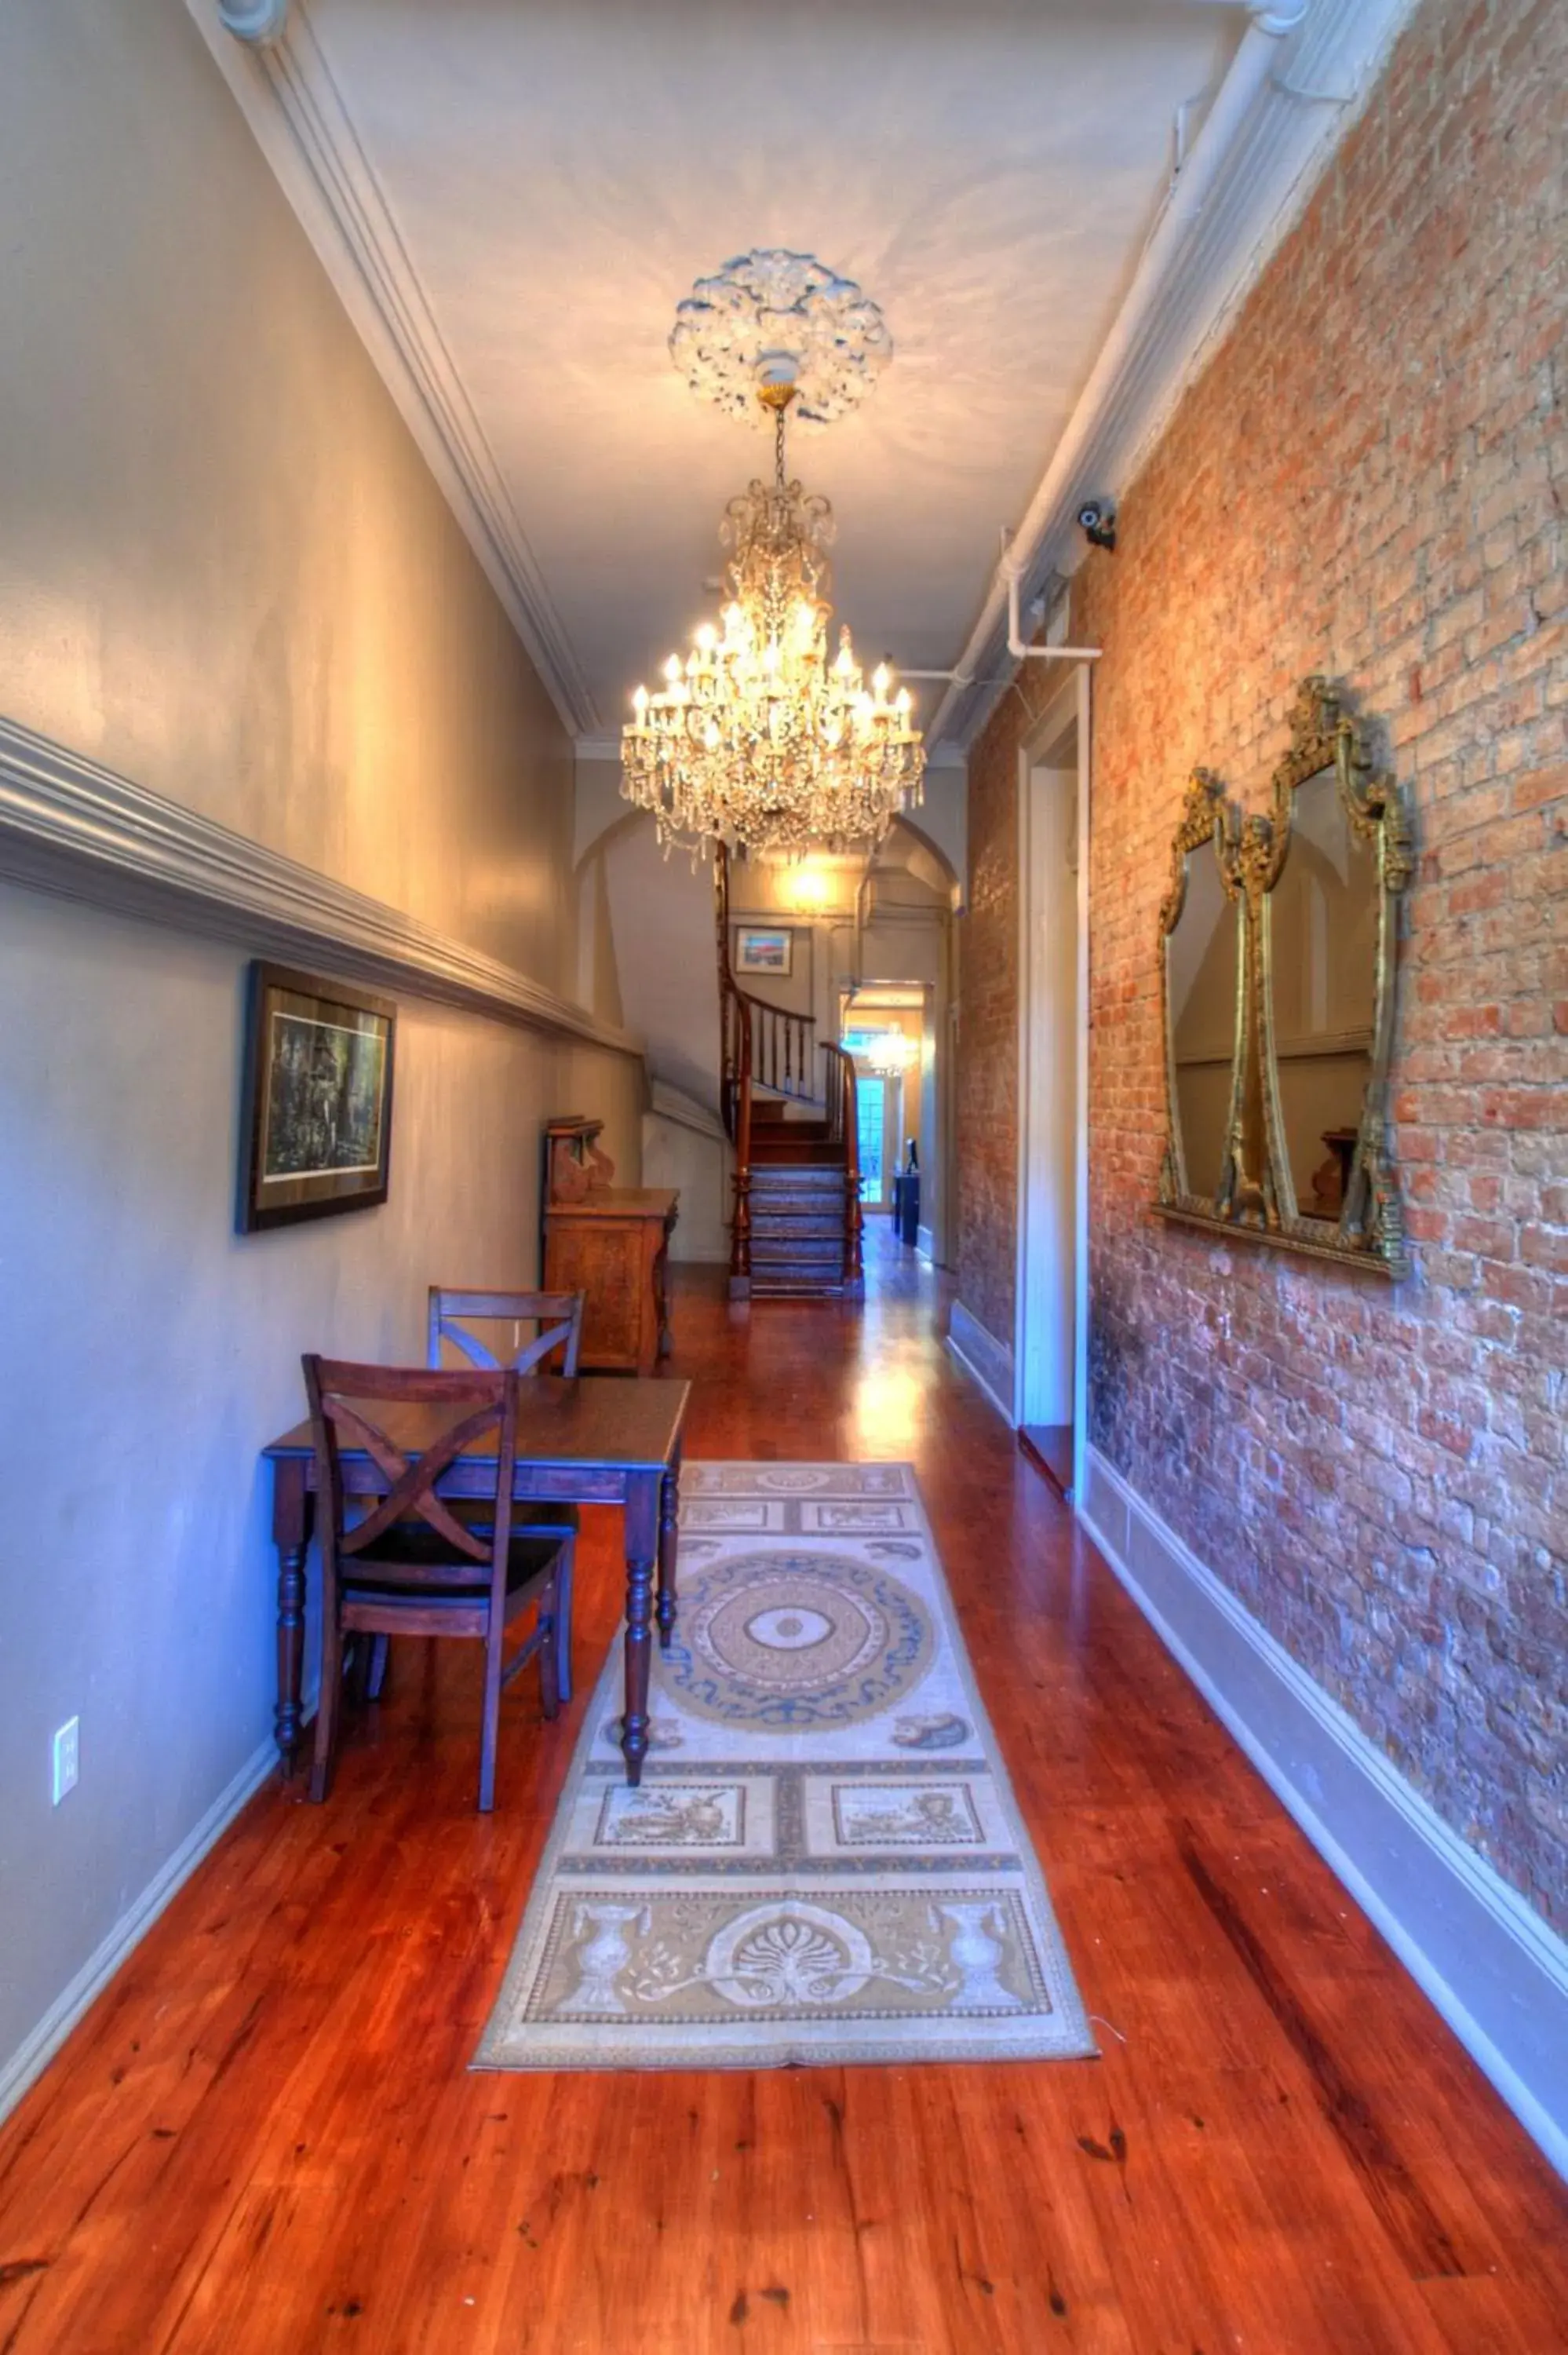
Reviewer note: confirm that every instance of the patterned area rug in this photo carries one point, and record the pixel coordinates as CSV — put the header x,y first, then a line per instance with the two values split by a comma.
x,y
824,1861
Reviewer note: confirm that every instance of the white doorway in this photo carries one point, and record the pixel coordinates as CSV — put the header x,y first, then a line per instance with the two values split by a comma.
x,y
877,1155
1050,1342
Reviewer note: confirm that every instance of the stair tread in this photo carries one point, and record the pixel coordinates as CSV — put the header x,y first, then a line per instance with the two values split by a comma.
x,y
822,1177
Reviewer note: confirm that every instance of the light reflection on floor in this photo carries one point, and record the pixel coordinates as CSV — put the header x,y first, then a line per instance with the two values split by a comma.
x,y
886,1408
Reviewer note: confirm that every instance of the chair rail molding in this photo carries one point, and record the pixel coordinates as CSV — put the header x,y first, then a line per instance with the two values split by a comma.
x,y
70,827
267,52
1495,1971
672,1103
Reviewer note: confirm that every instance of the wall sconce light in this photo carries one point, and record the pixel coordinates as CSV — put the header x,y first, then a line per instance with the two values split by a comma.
x,y
808,889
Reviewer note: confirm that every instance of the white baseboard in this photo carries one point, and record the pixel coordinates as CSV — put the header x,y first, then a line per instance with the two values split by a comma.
x,y
38,2050
982,1355
1493,1968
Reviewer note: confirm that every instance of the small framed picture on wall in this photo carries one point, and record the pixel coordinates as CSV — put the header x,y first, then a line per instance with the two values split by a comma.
x,y
764,948
316,1118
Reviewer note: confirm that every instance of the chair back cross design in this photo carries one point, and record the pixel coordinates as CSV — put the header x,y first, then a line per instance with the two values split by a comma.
x,y
420,1563
338,1392
558,1314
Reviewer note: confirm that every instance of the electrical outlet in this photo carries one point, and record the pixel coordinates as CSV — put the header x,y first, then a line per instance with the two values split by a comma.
x,y
66,1757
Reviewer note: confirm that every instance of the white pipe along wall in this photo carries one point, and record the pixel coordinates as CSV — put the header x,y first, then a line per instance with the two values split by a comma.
x,y
1250,71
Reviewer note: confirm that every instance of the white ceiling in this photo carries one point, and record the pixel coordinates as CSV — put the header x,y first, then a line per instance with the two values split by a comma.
x,y
559,171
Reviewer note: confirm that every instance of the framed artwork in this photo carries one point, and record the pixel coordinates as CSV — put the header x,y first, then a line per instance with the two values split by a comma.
x,y
317,1106
763,948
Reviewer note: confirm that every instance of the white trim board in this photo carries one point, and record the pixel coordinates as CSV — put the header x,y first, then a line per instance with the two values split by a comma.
x,y
70,827
981,1355
1493,1968
667,1102
37,2050
1041,1304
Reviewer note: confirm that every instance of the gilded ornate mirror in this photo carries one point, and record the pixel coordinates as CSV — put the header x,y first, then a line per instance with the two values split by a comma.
x,y
1202,974
1302,1159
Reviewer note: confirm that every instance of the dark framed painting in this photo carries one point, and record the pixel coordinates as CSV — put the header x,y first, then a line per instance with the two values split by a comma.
x,y
317,1109
764,948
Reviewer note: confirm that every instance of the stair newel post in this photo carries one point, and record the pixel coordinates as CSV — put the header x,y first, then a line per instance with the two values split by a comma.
x,y
729,1009
740,1237
854,1218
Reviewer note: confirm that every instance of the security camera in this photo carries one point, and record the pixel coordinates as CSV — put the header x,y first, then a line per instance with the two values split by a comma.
x,y
1097,518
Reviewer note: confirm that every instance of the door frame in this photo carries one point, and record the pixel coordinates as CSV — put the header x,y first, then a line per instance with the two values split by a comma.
x,y
1069,705
890,1125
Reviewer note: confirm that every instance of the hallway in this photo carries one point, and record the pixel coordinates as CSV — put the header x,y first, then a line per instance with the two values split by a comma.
x,y
266,2137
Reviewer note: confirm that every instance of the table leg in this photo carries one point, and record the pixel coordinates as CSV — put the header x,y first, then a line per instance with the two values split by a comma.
x,y
642,1546
291,1535
669,1536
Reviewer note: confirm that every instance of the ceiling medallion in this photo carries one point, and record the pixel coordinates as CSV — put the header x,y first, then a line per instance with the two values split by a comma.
x,y
772,301
757,739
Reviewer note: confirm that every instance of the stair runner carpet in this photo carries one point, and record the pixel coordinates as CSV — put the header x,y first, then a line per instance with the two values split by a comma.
x,y
824,1863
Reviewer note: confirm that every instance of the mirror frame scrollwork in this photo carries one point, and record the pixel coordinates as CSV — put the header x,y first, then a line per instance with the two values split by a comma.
x,y
1256,1196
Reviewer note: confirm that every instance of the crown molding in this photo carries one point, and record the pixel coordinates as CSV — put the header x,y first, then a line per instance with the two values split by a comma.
x,y
1331,56
267,53
69,827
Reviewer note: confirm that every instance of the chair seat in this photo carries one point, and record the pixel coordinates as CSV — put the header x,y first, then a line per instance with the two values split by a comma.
x,y
413,1556
557,1520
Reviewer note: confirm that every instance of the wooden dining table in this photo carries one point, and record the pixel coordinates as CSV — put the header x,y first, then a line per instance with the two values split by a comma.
x,y
591,1440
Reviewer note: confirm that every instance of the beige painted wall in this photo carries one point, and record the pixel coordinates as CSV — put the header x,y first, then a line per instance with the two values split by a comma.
x,y
223,567
225,571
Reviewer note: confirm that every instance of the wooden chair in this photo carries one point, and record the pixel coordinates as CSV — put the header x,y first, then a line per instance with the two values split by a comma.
x,y
558,1314
410,1563
559,1317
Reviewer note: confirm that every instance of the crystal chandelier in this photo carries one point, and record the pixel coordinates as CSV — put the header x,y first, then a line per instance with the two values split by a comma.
x,y
757,739
889,1054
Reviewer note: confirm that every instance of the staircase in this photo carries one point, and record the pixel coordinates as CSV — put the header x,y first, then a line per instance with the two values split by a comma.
x,y
797,1224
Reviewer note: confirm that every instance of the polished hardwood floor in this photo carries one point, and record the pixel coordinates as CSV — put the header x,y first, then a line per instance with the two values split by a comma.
x,y
265,2137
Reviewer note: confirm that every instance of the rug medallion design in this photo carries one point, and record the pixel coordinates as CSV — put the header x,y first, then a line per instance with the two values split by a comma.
x,y
824,1861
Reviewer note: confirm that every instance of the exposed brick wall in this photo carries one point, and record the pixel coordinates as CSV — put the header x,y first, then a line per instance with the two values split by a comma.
x,y
1368,480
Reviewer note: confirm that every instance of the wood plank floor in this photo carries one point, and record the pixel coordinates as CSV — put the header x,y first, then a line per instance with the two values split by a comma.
x,y
265,2137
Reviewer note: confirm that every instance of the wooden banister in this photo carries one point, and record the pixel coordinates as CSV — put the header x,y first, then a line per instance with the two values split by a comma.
x,y
773,1044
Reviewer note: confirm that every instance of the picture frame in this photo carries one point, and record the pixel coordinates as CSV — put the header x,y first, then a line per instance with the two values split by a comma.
x,y
767,949
316,1099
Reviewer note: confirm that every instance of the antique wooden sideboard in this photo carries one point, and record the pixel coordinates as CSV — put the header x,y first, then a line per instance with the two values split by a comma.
x,y
612,1243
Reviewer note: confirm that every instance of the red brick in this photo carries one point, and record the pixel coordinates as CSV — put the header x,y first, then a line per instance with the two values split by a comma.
x,y
1400,526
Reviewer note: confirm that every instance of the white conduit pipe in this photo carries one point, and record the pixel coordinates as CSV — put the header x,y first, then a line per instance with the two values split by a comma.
x,y
1249,73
